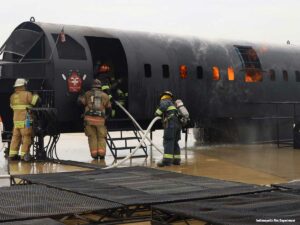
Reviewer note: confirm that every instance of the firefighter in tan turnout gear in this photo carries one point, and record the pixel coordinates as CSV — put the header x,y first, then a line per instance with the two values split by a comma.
x,y
21,101
97,106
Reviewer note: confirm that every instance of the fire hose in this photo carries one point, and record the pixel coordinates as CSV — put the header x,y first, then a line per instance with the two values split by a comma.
x,y
137,147
137,124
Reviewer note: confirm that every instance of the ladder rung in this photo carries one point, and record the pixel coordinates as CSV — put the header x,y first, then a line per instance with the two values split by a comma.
x,y
134,156
124,138
114,149
128,148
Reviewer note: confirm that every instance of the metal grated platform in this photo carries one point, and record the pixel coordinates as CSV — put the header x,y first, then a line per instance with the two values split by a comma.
x,y
292,185
236,210
141,185
78,164
45,221
36,201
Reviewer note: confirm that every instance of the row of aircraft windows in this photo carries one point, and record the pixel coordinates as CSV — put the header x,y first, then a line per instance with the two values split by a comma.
x,y
251,74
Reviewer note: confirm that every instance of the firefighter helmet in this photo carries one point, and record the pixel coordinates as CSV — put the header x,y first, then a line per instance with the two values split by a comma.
x,y
96,83
169,93
104,68
20,82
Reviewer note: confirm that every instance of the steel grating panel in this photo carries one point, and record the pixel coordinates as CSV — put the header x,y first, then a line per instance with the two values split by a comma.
x,y
291,185
79,164
45,221
274,207
36,201
140,185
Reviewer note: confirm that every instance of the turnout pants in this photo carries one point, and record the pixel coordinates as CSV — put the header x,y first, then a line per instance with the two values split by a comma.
x,y
170,142
97,139
21,136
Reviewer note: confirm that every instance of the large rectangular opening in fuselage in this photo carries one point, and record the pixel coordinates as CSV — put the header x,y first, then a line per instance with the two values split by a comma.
x,y
110,52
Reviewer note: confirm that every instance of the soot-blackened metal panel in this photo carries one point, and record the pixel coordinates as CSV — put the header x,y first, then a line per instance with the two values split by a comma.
x,y
45,221
292,185
140,185
36,201
267,207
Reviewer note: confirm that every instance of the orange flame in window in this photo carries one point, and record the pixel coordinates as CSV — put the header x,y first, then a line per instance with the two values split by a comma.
x,y
183,71
230,72
253,75
216,73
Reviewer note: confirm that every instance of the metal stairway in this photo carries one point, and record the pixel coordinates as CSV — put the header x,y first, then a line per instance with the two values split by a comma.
x,y
120,143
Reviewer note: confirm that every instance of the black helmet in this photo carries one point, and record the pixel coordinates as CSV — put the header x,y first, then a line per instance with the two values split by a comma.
x,y
169,93
96,83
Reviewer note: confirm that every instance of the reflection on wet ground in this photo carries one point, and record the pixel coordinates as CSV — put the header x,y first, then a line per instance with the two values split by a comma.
x,y
255,164
258,164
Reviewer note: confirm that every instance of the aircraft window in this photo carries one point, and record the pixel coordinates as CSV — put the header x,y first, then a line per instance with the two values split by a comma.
x,y
285,75
68,48
250,62
183,71
148,72
21,41
216,73
253,75
199,72
248,57
166,72
297,75
272,75
230,73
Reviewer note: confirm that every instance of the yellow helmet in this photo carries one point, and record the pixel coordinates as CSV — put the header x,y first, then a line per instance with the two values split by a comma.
x,y
169,93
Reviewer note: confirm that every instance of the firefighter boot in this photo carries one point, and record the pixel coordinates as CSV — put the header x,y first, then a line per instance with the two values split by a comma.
x,y
176,162
27,157
101,153
14,157
164,162
94,157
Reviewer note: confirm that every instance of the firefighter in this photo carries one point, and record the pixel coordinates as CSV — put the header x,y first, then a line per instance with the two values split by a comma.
x,y
172,129
110,85
105,77
21,101
97,106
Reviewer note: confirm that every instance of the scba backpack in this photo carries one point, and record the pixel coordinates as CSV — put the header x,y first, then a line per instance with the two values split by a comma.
x,y
183,114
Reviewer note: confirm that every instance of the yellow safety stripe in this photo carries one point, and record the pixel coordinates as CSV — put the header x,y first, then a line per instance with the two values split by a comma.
x,y
168,156
113,113
13,152
19,124
177,156
105,87
158,112
23,153
34,99
120,92
171,108
20,107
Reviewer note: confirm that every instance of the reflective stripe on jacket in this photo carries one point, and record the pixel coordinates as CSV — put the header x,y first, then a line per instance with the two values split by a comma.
x,y
20,101
166,108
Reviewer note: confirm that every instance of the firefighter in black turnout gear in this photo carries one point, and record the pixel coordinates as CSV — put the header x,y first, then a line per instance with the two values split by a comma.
x,y
110,84
172,128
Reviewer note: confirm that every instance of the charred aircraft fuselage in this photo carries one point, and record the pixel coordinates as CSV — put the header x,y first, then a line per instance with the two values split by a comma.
x,y
227,86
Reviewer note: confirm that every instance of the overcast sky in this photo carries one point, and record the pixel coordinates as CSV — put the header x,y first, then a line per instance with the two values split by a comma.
x,y
256,20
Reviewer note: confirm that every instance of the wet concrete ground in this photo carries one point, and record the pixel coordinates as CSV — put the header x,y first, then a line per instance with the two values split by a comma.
x,y
255,164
